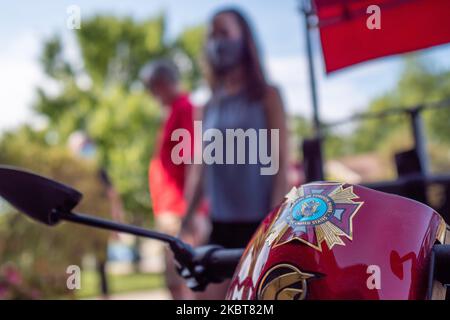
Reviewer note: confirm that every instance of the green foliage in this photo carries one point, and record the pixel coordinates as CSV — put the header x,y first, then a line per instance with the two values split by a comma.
x,y
124,125
115,49
373,133
42,254
53,61
191,42
335,145
102,96
106,99
418,84
300,127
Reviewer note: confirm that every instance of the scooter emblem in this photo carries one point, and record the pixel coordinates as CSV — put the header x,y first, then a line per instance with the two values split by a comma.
x,y
316,213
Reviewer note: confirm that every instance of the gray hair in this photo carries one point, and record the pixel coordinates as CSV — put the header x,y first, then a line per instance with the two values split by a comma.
x,y
162,69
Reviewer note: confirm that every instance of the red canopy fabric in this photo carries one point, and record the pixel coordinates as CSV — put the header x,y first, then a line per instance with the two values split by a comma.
x,y
406,25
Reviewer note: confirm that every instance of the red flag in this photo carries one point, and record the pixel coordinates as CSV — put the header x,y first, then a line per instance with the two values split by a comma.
x,y
406,25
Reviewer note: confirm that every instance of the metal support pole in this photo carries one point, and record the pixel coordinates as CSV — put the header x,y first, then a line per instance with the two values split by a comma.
x,y
419,138
312,148
307,11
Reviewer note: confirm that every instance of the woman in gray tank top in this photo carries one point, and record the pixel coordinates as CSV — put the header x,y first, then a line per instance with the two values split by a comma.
x,y
238,194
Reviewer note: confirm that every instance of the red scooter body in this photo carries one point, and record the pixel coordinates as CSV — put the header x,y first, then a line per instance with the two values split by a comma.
x,y
340,241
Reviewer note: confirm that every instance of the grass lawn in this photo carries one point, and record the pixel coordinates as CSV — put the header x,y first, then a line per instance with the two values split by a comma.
x,y
119,283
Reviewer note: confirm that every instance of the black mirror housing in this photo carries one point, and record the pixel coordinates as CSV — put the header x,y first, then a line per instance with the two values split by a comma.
x,y
38,197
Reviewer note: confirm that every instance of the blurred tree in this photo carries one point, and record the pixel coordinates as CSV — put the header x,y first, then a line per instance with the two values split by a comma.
x,y
40,255
299,129
99,93
300,126
419,84
114,49
191,42
103,96
335,144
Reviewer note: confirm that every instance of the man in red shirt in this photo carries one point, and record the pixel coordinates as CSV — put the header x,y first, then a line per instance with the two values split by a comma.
x,y
166,178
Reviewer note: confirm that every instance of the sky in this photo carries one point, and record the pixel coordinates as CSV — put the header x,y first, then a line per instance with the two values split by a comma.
x,y
24,25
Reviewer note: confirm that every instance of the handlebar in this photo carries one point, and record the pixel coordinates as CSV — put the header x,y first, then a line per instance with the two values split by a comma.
x,y
210,264
54,203
199,266
225,261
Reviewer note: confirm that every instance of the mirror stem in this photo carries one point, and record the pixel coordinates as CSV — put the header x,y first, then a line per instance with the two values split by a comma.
x,y
183,252
114,226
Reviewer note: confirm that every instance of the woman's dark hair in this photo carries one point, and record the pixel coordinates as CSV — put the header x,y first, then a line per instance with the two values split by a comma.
x,y
256,82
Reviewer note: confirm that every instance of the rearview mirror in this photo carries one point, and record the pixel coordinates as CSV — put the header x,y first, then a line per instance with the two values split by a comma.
x,y
36,196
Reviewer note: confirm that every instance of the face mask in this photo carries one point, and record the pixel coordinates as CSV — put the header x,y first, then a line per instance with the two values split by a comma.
x,y
224,54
